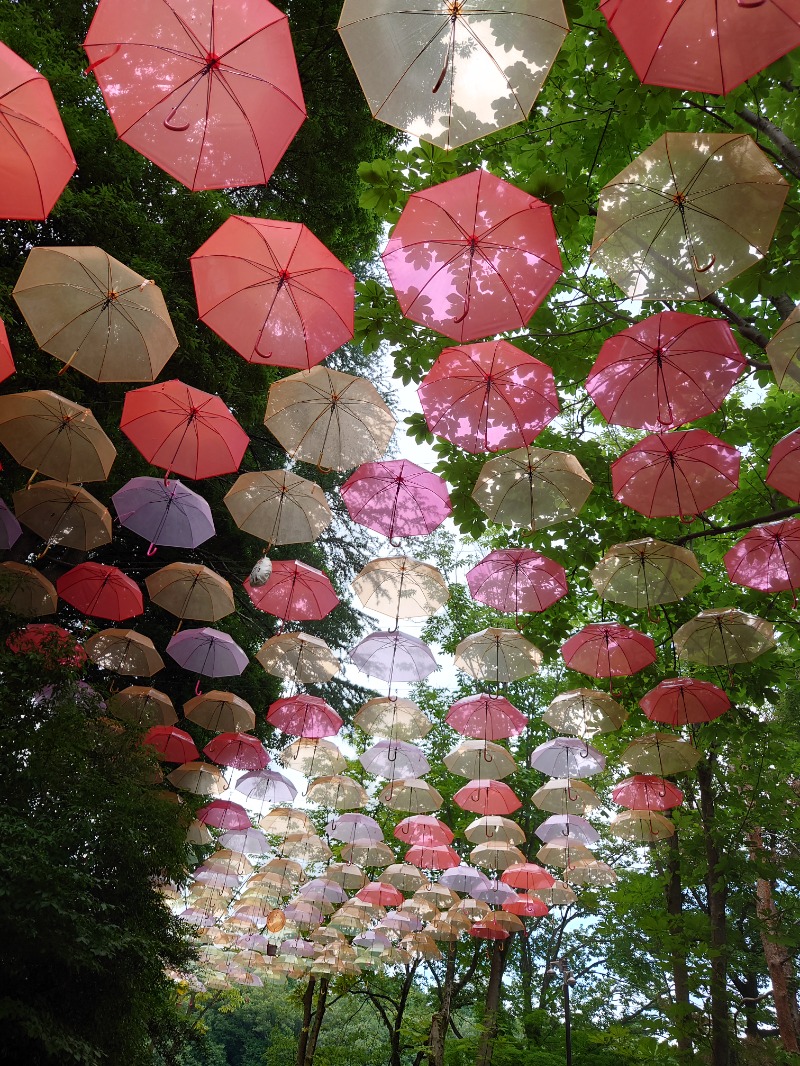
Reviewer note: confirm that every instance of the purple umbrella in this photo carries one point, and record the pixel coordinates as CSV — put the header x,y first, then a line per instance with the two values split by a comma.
x,y
395,759
304,913
567,826
298,948
207,651
354,829
164,512
245,841
394,656
495,892
266,786
567,757
463,878
401,922
322,890
10,529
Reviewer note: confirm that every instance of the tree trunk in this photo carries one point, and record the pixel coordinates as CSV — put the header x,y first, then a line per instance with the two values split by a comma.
x,y
395,1049
489,1029
441,1018
308,1003
749,988
532,1031
680,971
319,1014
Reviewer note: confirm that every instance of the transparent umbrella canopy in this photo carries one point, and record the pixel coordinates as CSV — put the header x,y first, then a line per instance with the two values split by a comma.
x,y
63,515
499,655
783,352
644,573
401,587
585,712
278,507
298,657
723,637
532,487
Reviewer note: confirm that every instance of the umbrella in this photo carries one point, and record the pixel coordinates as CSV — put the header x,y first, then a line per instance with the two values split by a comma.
x,y
567,757
294,591
472,257
532,487
489,930
220,712
10,529
313,757
485,717
558,895
394,759
646,792
437,896
706,50
527,876
680,473
463,878
411,794
767,558
481,760
487,797
643,573
323,890
101,592
305,716
37,158
683,701
401,587
665,370
604,649
565,796
65,515
496,855
499,655
183,430
590,872
189,590
433,857
125,652
404,877
7,367
355,829
298,657
266,786
446,73
423,829
687,216
488,397
211,95
783,474
247,841
783,352
585,712
563,852
333,420
644,827
368,854
527,907
567,826
95,314
51,643
517,579
44,432
238,750
24,591
164,512
283,821
722,637
142,706
494,827
495,893
396,498
224,814
207,651
278,507
390,716
273,292
660,753
394,656
337,791
171,744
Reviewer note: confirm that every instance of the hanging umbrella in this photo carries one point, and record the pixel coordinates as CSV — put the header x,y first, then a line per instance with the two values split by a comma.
x,y
63,515
401,587
183,430
567,757
220,712
681,473
563,853
337,791
411,794
723,637
585,712
496,855
368,854
101,591
37,158
355,829
278,507
683,701
24,591
392,717
394,656
125,652
489,930
238,750
527,876
10,529
396,498
487,797
567,826
603,649
783,474
532,487
423,829
395,759
687,216
646,792
463,878
7,367
481,760
283,821
164,512
485,717
767,558
171,744
305,716
495,893
44,432
294,592
433,857
323,890
590,872
783,352
51,643
499,655
438,896
207,651
313,757
273,292
266,787
189,590
95,314
565,796
514,580
223,814
558,895
404,877
661,754
142,706
644,827
472,257
298,657
494,827
247,841
488,397
643,573
664,371
526,907
333,420
212,96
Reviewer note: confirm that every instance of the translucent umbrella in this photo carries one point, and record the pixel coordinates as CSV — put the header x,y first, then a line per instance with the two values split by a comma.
x,y
394,656
496,855
783,473
305,716
164,512
63,515
368,854
189,590
411,794
354,828
527,876
532,487
313,757
294,592
567,826
495,893
644,827
783,352
423,829
201,778
220,712
283,821
393,717
767,558
485,717
527,907
401,587
266,786
608,650
661,754
10,529
404,877
278,507
487,797
647,792
125,652
494,827
396,498
7,367
51,643
337,791
567,757
223,814
26,592
516,580
395,759
680,701
644,573
433,857
298,657
480,759
558,895
142,706
565,796
238,750
499,655
207,651
563,852
723,637
585,712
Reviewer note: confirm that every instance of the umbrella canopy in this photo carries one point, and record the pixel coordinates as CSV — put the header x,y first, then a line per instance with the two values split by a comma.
x,y
330,419
395,759
53,644
220,712
496,855
95,314
783,474
355,829
223,814
278,507
164,512
10,529
401,587
294,592
494,827
472,257
680,473
499,655
558,895
783,352
532,487
213,98
480,760
665,370
565,796
487,797
688,215
125,652
767,558
238,750
283,821
44,432
567,757
337,791
517,579
304,716
603,649
37,158
394,656
7,367
723,637
298,657
183,430
313,757
404,877
207,651
585,712
390,716
189,590
266,787
101,592
142,706
563,852
433,857
485,717
26,592
273,292
64,515
643,573
645,827
411,794
590,872
396,498
463,878
646,792
681,701
171,744
527,907
527,876
567,826
660,754
423,829
488,397
368,854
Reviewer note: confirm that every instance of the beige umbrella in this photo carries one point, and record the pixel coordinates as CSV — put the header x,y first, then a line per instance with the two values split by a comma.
x,y
643,573
559,894
401,587
226,859
96,314
643,827
289,871
444,931
125,652
44,432
66,515
585,712
510,922
189,590
419,907
563,853
499,655
202,778
420,946
333,420
348,923
377,854
661,754
26,592
313,757
283,820
494,827
723,637
496,855
473,909
305,847
348,875
220,712
404,877
480,760
198,834
142,706
590,872
392,717
563,796
279,507
413,795
438,896
298,657
532,487
783,352
337,791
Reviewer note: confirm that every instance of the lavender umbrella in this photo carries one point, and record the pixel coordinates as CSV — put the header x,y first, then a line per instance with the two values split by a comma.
x,y
164,512
245,841
463,878
394,656
207,651
567,757
567,826
395,759
495,892
266,786
354,829
298,948
10,529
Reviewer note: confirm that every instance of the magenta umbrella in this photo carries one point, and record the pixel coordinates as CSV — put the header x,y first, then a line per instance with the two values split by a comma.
x,y
397,498
294,592
394,656
486,717
517,579
207,651
224,814
164,512
304,716
767,558
608,650
680,701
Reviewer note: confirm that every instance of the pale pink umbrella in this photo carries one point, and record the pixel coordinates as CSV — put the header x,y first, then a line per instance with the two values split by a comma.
x,y
517,579
354,829
604,649
486,717
783,474
394,656
767,558
238,750
423,829
396,498
294,592
487,797
304,716
433,857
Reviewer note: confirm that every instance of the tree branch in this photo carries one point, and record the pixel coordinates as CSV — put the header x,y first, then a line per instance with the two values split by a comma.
x,y
745,328
776,516
790,153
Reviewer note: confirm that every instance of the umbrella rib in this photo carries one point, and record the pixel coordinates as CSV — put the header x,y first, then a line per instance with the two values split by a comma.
x,y
15,136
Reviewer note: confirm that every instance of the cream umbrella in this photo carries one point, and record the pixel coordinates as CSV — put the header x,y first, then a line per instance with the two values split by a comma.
x,y
347,874
590,872
401,587
532,487
494,827
563,796
643,827
201,778
189,590
394,718
559,894
644,573
63,515
26,592
585,712
563,853
377,854
404,877
284,820
220,712
496,855
125,652
420,946
783,352
278,507
413,795
298,657
660,753
723,637
480,760
305,847
142,706
313,757
499,655
337,791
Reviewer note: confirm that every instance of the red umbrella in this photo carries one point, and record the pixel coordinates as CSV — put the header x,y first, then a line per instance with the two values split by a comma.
x,y
101,592
433,856
423,829
684,701
608,650
767,558
527,876
489,930
681,473
487,797
527,907
486,397
7,367
294,592
397,498
517,579
209,91
472,257
304,716
172,745
183,430
273,292
239,750
646,792
224,814
486,718
55,645
702,47
783,473
666,370
380,894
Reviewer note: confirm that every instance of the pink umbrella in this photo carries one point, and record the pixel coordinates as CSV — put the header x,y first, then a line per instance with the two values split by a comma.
x,y
486,397
304,716
224,814
101,592
423,829
608,650
172,745
487,797
433,857
517,579
381,894
396,498
486,717
527,876
646,792
767,558
783,473
238,750
682,701
527,907
207,651
294,592
7,367
394,656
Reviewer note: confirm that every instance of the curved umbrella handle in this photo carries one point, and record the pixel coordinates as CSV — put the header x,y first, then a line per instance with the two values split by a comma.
x,y
151,550
197,689
171,125
464,313
391,754
713,259
572,795
565,832
487,756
